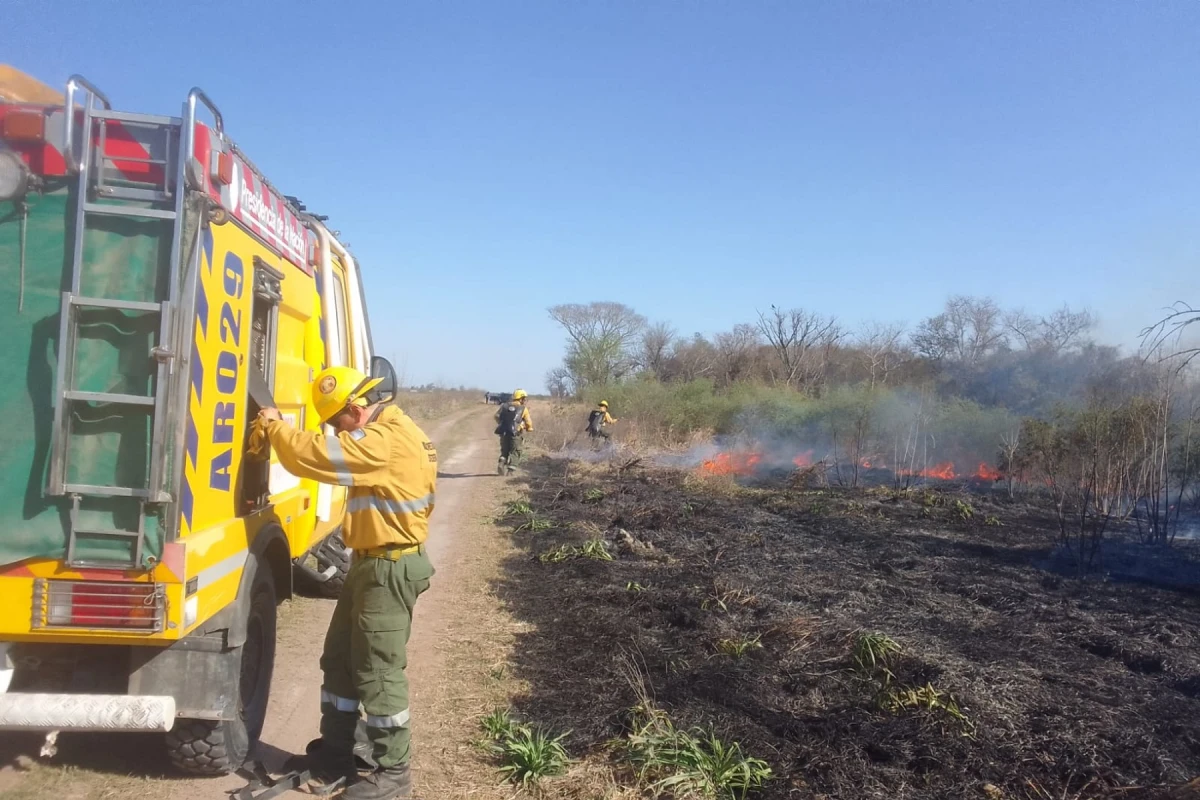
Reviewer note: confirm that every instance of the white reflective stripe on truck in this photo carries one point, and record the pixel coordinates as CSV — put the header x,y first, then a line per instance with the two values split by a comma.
x,y
226,566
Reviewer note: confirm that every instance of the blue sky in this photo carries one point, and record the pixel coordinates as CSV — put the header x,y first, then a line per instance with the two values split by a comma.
x,y
695,160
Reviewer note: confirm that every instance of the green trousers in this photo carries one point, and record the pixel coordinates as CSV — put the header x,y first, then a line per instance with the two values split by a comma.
x,y
510,449
364,657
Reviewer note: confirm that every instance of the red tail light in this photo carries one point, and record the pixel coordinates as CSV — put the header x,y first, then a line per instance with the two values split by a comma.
x,y
98,605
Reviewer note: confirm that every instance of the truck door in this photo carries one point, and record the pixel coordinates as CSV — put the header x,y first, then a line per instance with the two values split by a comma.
x,y
338,353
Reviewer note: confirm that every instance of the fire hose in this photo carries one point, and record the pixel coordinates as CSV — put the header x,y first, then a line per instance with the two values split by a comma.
x,y
261,786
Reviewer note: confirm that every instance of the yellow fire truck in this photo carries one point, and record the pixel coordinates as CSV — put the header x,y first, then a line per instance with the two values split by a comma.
x,y
157,290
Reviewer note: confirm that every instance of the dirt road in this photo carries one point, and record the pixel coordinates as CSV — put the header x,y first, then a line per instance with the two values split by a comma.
x,y
448,620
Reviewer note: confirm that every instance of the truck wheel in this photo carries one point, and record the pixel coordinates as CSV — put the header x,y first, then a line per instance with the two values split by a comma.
x,y
332,553
216,747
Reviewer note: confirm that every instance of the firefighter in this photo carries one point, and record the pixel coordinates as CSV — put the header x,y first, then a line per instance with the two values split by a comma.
x,y
512,421
390,467
596,422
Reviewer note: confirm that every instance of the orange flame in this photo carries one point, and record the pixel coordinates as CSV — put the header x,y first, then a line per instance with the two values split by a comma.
x,y
803,460
987,473
732,464
944,471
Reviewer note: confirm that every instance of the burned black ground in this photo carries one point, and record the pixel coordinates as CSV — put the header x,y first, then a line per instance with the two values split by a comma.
x,y
1070,688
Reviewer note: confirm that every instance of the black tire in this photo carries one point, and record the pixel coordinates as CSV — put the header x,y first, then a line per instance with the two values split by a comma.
x,y
208,747
329,553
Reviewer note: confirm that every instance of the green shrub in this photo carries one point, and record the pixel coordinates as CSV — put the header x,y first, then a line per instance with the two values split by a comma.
x,y
873,653
690,763
517,508
530,754
596,549
739,647
499,725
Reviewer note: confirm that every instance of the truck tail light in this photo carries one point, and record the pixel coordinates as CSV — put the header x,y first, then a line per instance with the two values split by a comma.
x,y
24,126
100,605
225,168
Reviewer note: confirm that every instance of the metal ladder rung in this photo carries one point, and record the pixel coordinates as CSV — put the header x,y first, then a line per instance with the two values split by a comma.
x,y
115,491
127,211
124,305
107,532
109,397
134,160
136,537
135,119
133,193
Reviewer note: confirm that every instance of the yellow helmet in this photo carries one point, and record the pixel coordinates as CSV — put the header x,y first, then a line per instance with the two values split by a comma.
x,y
519,394
604,403
337,387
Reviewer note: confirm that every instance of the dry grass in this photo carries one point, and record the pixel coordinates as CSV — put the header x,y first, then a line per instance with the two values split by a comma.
x,y
559,426
425,406
32,780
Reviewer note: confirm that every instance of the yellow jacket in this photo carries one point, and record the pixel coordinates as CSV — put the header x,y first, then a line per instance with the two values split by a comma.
x,y
526,420
389,465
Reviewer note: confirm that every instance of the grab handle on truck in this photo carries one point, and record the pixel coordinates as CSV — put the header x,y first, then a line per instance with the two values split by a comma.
x,y
197,95
74,83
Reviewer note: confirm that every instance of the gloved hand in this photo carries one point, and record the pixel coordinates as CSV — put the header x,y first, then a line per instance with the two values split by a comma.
x,y
259,445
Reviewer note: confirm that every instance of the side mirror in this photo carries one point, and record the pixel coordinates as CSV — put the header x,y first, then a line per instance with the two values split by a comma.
x,y
386,390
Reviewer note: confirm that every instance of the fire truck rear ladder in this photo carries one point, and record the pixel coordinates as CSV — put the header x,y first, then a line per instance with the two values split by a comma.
x,y
102,191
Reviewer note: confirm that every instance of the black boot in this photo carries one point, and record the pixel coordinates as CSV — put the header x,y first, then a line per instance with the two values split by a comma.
x,y
385,783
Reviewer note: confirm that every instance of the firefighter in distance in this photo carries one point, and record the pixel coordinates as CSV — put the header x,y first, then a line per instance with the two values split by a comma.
x,y
512,423
597,420
390,468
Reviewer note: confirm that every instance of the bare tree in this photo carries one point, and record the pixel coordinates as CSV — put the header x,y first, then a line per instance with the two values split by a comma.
x,y
1063,330
802,341
559,383
603,340
1010,446
879,348
1089,460
969,329
736,350
1024,327
656,347
1179,318
691,359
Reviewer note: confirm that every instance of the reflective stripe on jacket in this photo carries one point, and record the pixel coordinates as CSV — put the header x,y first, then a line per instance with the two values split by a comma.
x,y
389,466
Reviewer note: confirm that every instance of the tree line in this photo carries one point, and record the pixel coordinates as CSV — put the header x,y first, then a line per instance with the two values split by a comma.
x,y
1107,435
972,349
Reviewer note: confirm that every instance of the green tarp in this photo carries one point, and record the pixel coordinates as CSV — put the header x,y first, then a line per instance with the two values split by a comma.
x,y
124,258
